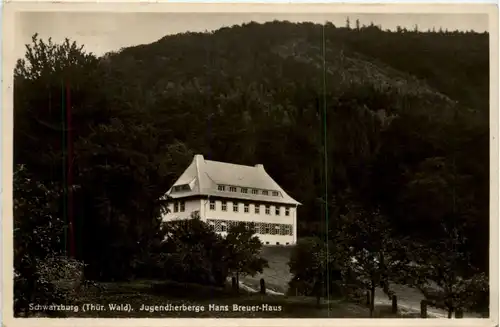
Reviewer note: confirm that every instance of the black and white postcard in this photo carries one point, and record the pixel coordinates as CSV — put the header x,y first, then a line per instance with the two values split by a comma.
x,y
232,161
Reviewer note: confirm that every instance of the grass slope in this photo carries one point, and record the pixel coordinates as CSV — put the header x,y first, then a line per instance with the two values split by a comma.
x,y
278,274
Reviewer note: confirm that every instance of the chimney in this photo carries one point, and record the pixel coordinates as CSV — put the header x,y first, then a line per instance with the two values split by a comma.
x,y
259,166
198,161
198,158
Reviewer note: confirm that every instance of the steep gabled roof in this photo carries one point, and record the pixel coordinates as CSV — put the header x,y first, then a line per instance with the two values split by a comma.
x,y
204,176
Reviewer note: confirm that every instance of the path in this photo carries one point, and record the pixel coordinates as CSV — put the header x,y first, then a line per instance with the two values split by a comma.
x,y
408,302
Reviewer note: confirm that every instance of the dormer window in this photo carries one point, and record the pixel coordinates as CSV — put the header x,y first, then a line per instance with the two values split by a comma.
x,y
265,193
244,190
221,188
232,189
179,188
276,193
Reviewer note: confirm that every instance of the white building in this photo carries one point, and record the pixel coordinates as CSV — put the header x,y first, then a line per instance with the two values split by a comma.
x,y
226,194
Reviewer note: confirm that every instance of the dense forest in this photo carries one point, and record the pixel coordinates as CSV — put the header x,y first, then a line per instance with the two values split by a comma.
x,y
393,122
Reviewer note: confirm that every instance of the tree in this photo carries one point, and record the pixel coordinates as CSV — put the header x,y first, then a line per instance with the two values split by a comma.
x,y
348,23
123,160
243,248
376,256
192,252
57,93
439,191
316,268
444,274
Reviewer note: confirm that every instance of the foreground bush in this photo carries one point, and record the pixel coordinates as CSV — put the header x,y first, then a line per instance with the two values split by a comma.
x,y
54,280
190,252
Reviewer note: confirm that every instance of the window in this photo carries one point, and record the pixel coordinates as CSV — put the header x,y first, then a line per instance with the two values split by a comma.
x,y
176,206
244,190
183,206
268,210
183,187
247,208
179,188
221,187
232,189
287,211
211,225
276,193
277,243
216,223
287,243
254,191
257,208
265,192
235,206
223,228
277,211
267,242
212,205
224,206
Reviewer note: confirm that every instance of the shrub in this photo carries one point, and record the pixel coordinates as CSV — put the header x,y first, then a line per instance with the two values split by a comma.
x,y
54,280
190,252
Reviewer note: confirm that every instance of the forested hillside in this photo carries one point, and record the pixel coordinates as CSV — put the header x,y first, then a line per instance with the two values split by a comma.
x,y
392,121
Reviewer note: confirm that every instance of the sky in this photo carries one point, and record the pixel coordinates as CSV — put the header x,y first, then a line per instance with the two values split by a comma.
x,y
104,32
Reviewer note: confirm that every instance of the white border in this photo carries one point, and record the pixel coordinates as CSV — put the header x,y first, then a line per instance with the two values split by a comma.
x,y
9,11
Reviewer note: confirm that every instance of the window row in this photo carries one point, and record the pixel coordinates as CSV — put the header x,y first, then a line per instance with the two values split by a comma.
x,y
246,190
219,225
246,208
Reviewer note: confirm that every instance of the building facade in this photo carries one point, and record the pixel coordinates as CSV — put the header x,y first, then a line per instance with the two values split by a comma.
x,y
225,194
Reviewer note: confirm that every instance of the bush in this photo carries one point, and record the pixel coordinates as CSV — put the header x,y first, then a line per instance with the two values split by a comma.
x,y
54,280
41,274
190,252
66,274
